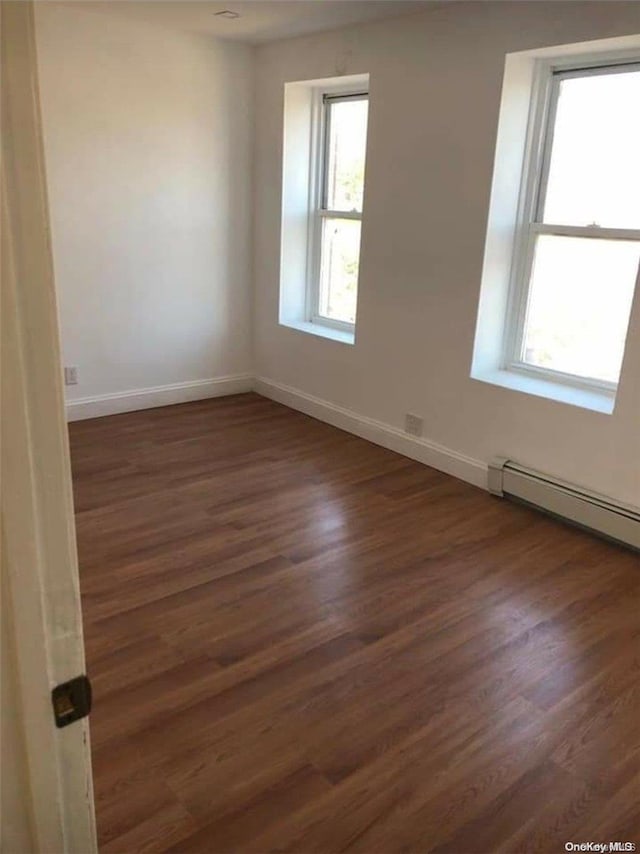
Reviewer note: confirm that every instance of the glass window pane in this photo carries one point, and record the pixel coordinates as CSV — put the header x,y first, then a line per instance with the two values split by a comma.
x,y
594,174
579,305
347,142
339,269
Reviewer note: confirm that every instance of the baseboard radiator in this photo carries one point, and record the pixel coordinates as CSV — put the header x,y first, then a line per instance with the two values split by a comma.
x,y
587,509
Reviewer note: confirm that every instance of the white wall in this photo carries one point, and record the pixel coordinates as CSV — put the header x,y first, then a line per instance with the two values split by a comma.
x,y
148,150
435,93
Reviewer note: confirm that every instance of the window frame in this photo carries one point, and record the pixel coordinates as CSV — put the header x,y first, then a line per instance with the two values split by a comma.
x,y
318,211
529,224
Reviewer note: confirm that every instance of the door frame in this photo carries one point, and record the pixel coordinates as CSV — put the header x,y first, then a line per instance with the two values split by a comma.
x,y
38,528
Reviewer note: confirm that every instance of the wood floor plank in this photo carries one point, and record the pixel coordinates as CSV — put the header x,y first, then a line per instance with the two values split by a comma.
x,y
300,641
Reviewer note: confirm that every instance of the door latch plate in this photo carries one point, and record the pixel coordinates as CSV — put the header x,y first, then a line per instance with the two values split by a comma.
x,y
71,701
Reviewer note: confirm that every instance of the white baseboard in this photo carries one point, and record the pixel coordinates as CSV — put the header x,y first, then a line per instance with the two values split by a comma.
x,y
164,395
417,448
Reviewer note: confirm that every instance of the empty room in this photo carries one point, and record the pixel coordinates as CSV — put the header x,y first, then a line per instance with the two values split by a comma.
x,y
320,426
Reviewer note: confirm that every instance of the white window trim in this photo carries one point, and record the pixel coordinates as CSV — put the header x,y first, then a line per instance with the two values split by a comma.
x,y
548,74
299,182
518,132
317,211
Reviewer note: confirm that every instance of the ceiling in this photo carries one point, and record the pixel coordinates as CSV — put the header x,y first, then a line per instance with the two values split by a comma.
x,y
260,20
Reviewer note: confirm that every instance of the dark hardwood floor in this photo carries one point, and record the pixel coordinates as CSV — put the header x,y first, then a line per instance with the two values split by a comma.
x,y
301,642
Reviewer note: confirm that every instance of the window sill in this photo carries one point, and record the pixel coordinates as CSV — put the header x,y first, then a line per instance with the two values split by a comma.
x,y
340,335
597,401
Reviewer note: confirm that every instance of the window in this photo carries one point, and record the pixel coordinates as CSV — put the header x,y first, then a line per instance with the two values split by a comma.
x,y
336,215
577,257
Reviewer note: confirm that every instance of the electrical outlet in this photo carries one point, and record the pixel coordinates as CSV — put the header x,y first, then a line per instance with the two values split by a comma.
x,y
413,424
71,375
